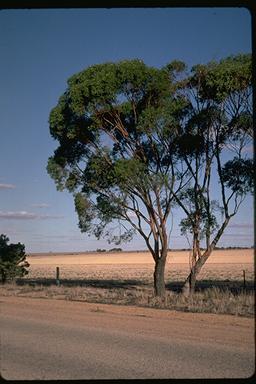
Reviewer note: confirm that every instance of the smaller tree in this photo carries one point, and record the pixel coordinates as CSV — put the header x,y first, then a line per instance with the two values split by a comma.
x,y
13,261
214,149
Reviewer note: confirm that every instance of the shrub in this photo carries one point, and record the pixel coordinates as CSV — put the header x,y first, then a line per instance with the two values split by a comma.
x,y
12,260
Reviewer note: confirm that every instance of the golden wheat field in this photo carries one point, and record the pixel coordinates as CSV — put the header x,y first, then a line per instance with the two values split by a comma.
x,y
222,265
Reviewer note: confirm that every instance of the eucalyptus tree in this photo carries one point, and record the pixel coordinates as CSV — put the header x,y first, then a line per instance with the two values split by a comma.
x,y
116,125
215,146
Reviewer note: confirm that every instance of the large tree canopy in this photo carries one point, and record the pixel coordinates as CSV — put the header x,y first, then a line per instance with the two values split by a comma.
x,y
133,139
116,125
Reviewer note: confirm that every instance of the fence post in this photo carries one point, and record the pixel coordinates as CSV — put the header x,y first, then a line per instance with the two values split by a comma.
x,y
244,277
57,276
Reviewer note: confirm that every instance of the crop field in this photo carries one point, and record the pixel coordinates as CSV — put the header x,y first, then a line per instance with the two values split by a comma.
x,y
140,272
222,265
224,286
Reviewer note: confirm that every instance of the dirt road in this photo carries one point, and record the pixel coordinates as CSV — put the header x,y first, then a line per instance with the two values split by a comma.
x,y
57,339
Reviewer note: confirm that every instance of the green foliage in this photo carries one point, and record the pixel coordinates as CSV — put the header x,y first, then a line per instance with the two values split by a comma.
x,y
190,144
129,134
239,174
241,124
12,260
84,210
121,237
217,81
57,172
220,119
202,214
115,124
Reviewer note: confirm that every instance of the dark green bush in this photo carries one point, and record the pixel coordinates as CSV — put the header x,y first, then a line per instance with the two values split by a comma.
x,y
12,260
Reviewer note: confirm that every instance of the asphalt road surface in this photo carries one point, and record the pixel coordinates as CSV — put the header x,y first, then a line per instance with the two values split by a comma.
x,y
57,339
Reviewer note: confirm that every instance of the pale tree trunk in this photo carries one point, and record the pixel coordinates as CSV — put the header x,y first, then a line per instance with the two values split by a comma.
x,y
159,253
190,282
197,263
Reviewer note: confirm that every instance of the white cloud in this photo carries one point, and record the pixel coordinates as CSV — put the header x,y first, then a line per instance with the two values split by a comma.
x,y
50,216
24,215
7,186
41,205
47,236
63,238
240,235
245,225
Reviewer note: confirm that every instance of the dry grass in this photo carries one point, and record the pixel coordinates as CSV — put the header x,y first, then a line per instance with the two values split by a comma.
x,y
211,300
112,279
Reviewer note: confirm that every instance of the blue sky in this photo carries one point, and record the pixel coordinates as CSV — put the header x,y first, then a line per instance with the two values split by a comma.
x,y
40,50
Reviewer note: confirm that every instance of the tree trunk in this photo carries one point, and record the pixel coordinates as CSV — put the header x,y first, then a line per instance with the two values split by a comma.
x,y
190,283
159,283
3,277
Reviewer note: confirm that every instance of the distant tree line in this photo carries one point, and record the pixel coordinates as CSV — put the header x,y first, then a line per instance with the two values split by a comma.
x,y
110,250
